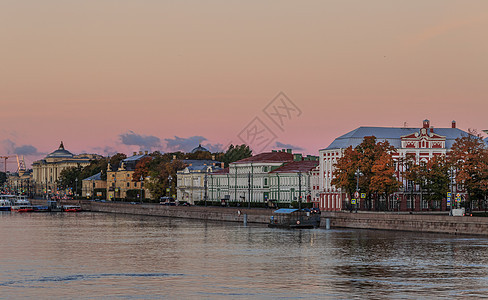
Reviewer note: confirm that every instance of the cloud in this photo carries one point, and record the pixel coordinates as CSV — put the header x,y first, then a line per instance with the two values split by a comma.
x,y
214,147
183,144
143,141
287,146
11,148
26,150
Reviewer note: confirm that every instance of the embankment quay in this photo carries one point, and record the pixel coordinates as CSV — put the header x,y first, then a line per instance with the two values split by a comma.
x,y
421,222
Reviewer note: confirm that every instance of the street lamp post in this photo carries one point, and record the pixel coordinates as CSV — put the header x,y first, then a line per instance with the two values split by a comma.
x,y
76,187
142,180
249,188
358,173
205,187
170,178
299,191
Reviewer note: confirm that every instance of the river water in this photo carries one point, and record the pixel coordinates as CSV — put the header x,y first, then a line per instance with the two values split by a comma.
x,y
95,255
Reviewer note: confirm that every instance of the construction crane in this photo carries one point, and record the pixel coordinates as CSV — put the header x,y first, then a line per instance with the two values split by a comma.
x,y
20,162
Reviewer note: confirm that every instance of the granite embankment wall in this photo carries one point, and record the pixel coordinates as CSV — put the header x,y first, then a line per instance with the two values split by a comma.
x,y
408,222
228,214
362,220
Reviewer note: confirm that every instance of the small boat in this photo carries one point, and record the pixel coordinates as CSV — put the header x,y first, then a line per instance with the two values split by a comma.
x,y
22,208
21,204
6,202
41,208
71,208
294,218
53,206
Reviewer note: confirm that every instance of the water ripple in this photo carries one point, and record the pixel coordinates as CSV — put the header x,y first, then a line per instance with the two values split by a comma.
x,y
86,277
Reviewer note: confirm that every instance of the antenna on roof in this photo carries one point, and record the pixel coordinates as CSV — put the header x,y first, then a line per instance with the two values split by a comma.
x,y
405,124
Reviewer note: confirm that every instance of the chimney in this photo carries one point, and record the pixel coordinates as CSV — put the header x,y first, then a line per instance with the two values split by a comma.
x,y
426,124
134,153
146,152
213,157
431,129
140,152
453,124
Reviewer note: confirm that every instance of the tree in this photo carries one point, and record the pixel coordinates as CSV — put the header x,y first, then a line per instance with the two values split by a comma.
x,y
432,178
96,166
115,160
3,178
156,169
234,153
67,178
199,155
374,162
344,170
383,179
469,159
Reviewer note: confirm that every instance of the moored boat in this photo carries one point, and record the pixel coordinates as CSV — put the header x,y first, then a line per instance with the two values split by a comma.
x,y
71,208
22,208
294,218
21,204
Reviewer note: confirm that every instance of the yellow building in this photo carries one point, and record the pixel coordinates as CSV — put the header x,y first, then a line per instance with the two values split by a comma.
x,y
119,179
94,187
46,172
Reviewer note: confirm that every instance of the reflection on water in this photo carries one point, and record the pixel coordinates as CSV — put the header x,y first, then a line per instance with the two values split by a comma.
x,y
92,255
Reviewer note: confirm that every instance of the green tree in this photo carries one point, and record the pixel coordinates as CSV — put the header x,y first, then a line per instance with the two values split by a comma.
x,y
3,178
67,178
115,160
234,153
96,166
469,160
431,177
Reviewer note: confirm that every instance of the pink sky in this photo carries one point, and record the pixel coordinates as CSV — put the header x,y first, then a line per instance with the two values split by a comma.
x,y
99,75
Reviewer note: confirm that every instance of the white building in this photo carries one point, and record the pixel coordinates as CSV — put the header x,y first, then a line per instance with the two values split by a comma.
x,y
266,176
191,180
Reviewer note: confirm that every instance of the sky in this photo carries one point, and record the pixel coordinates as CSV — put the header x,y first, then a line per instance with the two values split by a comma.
x,y
110,76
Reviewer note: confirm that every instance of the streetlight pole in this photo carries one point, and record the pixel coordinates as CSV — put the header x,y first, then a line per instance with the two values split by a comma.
x,y
299,191
170,178
249,188
358,173
142,180
76,187
205,187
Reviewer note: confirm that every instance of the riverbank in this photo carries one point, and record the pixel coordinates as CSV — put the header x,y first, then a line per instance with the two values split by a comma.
x,y
421,222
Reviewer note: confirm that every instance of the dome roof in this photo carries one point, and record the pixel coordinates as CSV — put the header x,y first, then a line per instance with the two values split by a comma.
x,y
61,152
199,148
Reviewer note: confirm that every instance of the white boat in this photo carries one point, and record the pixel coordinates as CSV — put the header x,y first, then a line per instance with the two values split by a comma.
x,y
21,204
6,202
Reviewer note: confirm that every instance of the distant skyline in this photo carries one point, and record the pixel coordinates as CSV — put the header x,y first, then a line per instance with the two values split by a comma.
x,y
122,76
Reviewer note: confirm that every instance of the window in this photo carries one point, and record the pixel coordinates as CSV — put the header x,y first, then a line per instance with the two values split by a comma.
x,y
128,184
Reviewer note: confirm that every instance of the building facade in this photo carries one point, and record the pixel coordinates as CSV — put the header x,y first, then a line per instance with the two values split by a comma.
x,y
120,178
46,172
93,187
422,143
193,180
272,176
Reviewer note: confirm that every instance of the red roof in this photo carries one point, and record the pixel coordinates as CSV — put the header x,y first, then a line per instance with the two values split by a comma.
x,y
221,171
268,157
297,167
